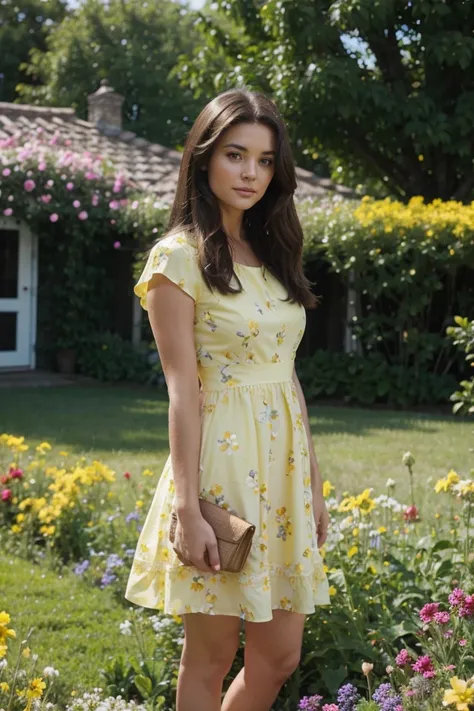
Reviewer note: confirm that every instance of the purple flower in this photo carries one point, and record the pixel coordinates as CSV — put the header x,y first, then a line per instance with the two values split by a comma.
x,y
8,211
83,215
114,561
386,698
29,185
107,579
347,698
81,567
133,516
117,245
310,703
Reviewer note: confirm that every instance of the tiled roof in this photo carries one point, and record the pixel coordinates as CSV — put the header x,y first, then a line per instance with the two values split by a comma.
x,y
151,166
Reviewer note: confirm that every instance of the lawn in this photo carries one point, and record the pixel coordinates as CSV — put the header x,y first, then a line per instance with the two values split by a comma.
x,y
126,427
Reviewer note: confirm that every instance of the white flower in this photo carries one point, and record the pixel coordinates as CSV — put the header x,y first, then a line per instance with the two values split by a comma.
x,y
3,663
390,483
408,459
126,627
50,671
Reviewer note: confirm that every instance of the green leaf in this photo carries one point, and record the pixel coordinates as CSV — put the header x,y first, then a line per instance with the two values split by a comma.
x,y
144,685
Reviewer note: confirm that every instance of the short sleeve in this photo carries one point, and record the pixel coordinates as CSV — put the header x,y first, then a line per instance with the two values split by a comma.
x,y
176,258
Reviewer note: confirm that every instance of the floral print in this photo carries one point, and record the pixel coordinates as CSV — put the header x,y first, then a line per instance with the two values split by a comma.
x,y
254,452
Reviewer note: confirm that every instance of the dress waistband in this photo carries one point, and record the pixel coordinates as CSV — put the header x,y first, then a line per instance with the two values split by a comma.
x,y
220,376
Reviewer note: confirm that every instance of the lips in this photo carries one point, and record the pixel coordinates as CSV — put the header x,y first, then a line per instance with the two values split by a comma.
x,y
247,191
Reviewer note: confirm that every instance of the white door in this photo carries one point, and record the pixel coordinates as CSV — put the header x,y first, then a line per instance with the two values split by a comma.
x,y
17,300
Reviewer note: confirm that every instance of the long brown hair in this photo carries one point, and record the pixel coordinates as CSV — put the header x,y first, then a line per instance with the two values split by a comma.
x,y
271,226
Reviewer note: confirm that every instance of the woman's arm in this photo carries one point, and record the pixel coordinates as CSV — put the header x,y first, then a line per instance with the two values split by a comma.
x,y
171,314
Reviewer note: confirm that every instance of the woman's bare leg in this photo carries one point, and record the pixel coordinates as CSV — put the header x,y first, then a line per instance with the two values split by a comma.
x,y
210,645
272,653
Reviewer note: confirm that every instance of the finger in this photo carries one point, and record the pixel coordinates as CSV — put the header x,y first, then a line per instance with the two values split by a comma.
x,y
213,556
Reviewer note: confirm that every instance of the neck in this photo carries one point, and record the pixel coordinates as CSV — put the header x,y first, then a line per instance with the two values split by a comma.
x,y
232,219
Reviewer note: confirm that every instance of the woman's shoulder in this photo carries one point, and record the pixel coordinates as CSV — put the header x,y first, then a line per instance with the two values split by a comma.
x,y
178,242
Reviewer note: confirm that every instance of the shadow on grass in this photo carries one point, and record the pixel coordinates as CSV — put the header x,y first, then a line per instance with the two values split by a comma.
x,y
88,418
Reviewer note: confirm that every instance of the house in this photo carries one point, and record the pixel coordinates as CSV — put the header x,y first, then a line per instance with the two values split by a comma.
x,y
151,167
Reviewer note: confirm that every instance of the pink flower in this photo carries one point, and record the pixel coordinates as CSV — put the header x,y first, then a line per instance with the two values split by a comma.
x,y
117,245
16,473
467,608
424,665
95,200
118,185
403,658
29,185
54,217
113,222
411,514
330,707
6,494
83,215
69,186
155,230
76,203
448,634
6,172
135,204
90,175
449,667
50,183
42,166
462,642
442,618
46,199
457,597
8,211
114,204
428,612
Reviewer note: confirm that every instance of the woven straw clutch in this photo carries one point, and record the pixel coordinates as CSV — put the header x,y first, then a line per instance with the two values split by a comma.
x,y
233,534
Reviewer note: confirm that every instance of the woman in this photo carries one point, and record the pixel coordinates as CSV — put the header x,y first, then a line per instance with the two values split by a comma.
x,y
225,294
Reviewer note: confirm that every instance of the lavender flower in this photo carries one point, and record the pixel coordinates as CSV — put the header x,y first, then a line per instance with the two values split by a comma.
x,y
347,698
310,703
386,698
114,561
81,568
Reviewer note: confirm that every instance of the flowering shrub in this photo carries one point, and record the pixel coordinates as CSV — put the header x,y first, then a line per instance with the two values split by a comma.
x,y
462,336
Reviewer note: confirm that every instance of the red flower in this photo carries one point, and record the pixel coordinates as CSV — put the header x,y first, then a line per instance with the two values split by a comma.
x,y
6,494
127,475
4,478
16,473
411,514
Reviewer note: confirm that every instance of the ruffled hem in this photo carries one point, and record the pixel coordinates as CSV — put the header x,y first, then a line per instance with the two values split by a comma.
x,y
178,590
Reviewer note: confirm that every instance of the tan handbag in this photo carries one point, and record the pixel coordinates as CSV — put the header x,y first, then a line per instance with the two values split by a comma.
x,y
234,536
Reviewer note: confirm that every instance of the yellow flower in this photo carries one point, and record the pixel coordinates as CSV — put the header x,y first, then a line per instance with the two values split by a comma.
x,y
327,488
355,532
139,503
26,652
382,529
352,551
43,448
147,472
36,688
5,631
4,686
448,483
460,694
332,590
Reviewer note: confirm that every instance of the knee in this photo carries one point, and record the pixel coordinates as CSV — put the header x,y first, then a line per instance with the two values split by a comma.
x,y
212,664
279,667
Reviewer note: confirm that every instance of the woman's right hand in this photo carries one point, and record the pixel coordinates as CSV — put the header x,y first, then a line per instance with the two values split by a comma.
x,y
196,543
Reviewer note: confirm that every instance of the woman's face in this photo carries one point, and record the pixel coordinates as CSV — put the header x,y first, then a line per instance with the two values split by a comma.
x,y
242,165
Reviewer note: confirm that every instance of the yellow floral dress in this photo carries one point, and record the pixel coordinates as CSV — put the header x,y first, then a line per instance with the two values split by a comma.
x,y
254,455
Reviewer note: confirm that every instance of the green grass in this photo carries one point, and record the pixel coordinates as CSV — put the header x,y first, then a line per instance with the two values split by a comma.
x,y
126,427
76,627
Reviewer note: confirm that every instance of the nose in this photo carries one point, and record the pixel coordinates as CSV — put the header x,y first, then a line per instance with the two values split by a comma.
x,y
249,171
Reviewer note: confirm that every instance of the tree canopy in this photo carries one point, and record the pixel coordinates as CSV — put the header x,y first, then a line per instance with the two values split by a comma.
x,y
134,45
384,91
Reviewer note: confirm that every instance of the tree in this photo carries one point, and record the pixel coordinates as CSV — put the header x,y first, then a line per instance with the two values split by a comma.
x,y
384,90
134,45
22,29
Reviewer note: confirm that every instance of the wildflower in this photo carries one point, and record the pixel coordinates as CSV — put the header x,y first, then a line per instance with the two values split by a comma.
x,y
462,642
133,516
29,185
386,697
7,495
428,612
411,513
8,212
50,672
447,484
403,658
310,703
117,245
408,459
54,217
4,686
127,475
467,607
459,694
347,697
456,597
327,488
367,668
126,627
424,666
390,484
81,568
83,215
442,618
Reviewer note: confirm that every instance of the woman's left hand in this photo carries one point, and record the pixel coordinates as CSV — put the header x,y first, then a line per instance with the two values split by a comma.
x,y
321,518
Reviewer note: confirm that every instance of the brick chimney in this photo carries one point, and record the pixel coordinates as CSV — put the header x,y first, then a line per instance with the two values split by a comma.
x,y
105,109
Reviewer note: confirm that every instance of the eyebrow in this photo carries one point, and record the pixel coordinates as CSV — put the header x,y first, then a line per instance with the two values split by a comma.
x,y
242,148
